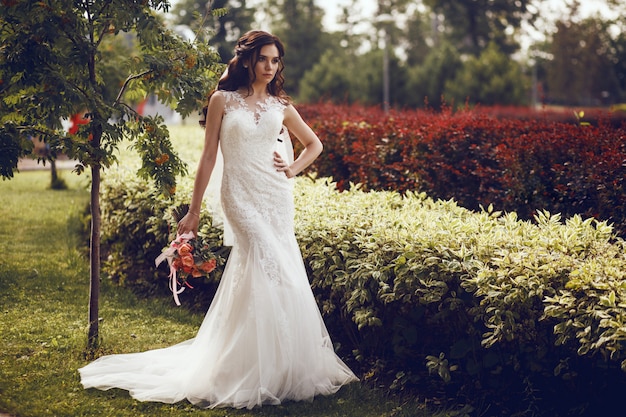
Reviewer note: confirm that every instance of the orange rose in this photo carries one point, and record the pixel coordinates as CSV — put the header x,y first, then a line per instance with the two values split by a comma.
x,y
187,263
184,249
208,266
196,273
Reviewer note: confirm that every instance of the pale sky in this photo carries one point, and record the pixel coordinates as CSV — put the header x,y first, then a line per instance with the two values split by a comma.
x,y
368,7
553,9
366,10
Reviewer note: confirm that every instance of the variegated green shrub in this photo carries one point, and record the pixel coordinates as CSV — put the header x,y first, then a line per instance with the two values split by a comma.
x,y
137,224
408,279
419,292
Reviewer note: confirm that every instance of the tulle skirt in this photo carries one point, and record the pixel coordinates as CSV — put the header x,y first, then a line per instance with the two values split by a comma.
x,y
263,341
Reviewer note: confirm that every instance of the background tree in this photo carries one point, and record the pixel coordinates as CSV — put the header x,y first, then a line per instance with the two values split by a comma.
x,y
298,23
586,67
330,79
224,29
351,70
426,82
344,78
422,36
489,79
54,63
619,65
472,25
332,76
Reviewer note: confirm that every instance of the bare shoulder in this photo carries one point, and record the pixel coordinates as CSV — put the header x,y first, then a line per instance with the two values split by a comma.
x,y
294,123
218,97
291,113
217,102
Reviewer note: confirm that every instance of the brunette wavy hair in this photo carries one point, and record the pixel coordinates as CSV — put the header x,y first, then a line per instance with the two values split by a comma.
x,y
247,53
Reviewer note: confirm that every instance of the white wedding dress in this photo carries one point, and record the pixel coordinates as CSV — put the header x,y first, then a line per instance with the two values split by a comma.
x,y
263,340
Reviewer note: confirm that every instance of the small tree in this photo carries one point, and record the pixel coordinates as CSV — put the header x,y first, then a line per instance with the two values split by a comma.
x,y
427,81
53,63
490,79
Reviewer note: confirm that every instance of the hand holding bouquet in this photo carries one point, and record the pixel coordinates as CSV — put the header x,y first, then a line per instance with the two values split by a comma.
x,y
188,256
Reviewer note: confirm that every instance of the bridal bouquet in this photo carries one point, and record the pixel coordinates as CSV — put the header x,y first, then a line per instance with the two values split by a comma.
x,y
187,256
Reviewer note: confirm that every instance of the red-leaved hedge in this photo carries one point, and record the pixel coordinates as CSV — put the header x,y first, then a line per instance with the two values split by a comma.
x,y
518,160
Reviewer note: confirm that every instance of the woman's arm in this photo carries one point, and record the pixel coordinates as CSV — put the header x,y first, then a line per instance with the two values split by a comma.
x,y
215,111
312,145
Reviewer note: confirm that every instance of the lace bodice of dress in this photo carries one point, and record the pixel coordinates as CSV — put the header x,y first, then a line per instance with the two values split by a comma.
x,y
247,131
257,200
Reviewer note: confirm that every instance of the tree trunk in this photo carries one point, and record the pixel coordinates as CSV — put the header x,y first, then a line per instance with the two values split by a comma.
x,y
93,337
54,177
94,258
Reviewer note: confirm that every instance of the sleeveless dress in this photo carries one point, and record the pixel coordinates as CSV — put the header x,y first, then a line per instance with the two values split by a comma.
x,y
263,340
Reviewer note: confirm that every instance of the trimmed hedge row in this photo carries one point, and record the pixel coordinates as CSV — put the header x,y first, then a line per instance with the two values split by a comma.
x,y
427,297
476,159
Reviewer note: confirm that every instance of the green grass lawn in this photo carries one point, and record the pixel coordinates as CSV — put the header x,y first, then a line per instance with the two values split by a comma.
x,y
44,280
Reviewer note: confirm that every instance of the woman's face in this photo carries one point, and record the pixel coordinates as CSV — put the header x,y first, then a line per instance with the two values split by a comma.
x,y
266,67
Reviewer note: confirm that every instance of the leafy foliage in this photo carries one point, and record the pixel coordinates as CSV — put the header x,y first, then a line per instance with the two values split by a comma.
x,y
12,147
491,78
426,295
52,56
137,224
517,160
427,284
298,23
57,61
585,68
474,25
227,22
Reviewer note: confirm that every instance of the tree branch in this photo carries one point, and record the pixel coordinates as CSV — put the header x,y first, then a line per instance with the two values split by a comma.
x,y
42,132
128,80
130,108
104,6
105,27
209,6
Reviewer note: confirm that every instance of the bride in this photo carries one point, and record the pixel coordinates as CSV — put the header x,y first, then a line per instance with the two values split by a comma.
x,y
263,340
